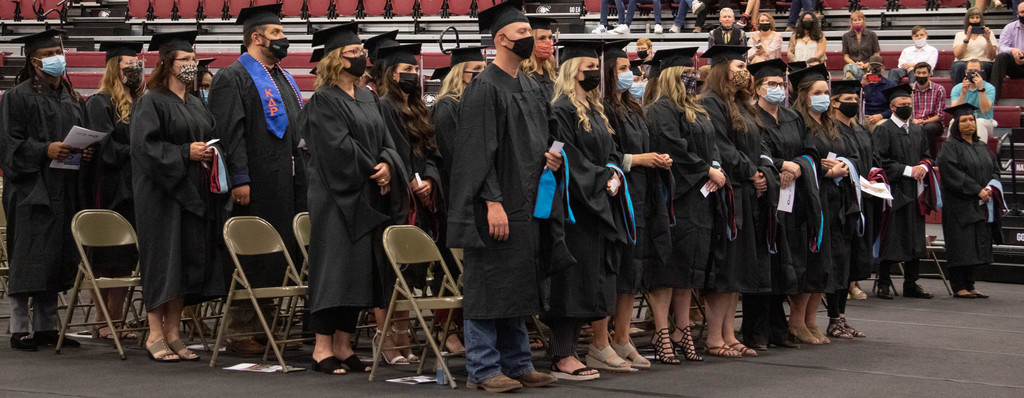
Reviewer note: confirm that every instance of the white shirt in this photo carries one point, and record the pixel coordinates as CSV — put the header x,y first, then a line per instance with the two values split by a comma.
x,y
908,170
912,55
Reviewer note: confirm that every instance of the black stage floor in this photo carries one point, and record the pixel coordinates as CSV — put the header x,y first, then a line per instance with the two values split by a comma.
x,y
941,347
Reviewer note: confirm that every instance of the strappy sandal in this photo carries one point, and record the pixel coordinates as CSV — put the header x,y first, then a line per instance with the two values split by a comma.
x,y
743,350
629,353
607,359
836,329
817,334
664,351
378,342
182,351
576,375
354,364
97,335
536,343
803,336
154,350
723,351
686,346
853,332
411,357
329,366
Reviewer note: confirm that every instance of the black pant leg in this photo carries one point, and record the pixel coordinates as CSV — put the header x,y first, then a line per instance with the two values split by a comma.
x,y
755,327
778,325
911,272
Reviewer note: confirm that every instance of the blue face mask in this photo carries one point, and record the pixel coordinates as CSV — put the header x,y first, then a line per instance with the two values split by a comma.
x,y
637,90
776,95
205,95
820,103
54,66
625,81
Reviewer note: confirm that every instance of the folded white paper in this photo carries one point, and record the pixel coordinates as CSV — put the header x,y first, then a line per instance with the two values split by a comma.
x,y
876,189
786,198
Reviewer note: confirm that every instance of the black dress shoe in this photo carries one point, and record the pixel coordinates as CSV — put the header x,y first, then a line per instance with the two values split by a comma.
x,y
49,338
915,291
784,344
21,341
884,292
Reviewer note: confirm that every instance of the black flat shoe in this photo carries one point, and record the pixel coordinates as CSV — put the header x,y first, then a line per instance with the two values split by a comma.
x,y
354,364
784,344
978,294
884,292
915,291
330,366
967,296
22,341
49,338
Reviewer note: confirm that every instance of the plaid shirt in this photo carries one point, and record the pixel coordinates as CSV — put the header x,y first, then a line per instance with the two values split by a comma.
x,y
929,102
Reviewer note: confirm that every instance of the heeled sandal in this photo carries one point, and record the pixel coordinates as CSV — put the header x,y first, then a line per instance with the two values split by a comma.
x,y
182,351
663,347
803,336
817,334
724,351
378,342
743,350
686,345
330,365
853,332
354,364
836,329
411,357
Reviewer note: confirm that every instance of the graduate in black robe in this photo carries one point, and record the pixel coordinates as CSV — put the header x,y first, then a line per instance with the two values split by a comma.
x,y
741,260
542,66
107,181
39,201
350,202
681,129
971,208
178,219
256,104
901,147
498,155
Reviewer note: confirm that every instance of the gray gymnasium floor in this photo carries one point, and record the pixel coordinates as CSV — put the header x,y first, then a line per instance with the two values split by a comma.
x,y
941,347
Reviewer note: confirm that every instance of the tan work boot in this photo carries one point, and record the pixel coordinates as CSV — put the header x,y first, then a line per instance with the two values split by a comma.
x,y
536,379
500,383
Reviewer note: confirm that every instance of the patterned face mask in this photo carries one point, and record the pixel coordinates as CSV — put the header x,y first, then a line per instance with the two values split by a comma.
x,y
187,73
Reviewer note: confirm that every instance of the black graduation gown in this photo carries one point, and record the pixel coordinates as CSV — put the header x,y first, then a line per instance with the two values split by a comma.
x,y
547,83
896,149
966,168
178,220
692,148
445,116
783,141
271,166
347,212
742,265
862,258
587,290
498,155
836,208
39,201
107,183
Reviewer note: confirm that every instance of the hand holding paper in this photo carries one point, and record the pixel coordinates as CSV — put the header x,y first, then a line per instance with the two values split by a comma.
x,y
68,153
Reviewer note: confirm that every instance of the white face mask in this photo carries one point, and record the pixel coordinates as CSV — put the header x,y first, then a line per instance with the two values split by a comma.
x,y
921,42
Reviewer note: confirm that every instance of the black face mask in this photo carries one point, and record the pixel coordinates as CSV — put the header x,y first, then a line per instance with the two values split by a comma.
x,y
808,25
765,27
849,109
409,83
922,80
522,48
642,54
591,79
132,77
278,47
1021,19
357,67
472,75
904,112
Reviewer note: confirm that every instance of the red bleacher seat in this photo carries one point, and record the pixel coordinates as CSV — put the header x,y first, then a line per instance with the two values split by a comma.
x,y
374,7
872,4
136,8
162,9
593,5
187,8
904,4
461,7
213,9
293,8
7,9
402,7
346,8
431,7
485,4
837,4
236,6
318,8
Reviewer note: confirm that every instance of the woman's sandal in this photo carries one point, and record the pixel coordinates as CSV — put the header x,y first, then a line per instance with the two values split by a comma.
x,y
836,329
354,364
803,336
398,360
182,351
723,351
664,351
576,375
743,350
853,332
978,294
97,335
607,359
448,342
536,343
817,334
411,357
686,346
628,352
329,366
160,347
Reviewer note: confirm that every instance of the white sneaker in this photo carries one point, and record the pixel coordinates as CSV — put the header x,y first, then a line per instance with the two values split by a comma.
x,y
658,29
675,29
697,6
621,29
599,30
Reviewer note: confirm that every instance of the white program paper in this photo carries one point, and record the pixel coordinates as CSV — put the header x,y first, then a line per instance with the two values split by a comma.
x,y
876,189
786,198
78,138
556,147
831,156
704,190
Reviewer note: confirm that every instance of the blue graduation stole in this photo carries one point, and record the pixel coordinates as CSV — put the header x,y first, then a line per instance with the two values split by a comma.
x,y
546,192
816,246
855,179
273,105
627,210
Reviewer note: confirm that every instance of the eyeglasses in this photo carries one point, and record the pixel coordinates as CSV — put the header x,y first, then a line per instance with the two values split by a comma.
x,y
355,53
774,84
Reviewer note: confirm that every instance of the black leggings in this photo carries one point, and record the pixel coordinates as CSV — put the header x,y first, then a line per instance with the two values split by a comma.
x,y
565,333
836,302
329,320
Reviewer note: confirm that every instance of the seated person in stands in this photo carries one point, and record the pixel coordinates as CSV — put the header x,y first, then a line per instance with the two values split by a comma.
x,y
807,40
645,51
859,44
921,51
684,7
813,61
1010,61
765,43
975,42
876,104
976,91
728,33
929,100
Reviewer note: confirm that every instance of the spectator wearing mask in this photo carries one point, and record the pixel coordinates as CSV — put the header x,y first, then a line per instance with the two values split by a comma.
x,y
917,53
808,41
1010,61
797,9
975,42
876,104
976,91
929,100
765,44
645,51
859,44
728,33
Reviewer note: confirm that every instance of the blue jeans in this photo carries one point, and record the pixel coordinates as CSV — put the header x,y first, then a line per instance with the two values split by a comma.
x,y
604,11
495,347
796,7
684,8
632,10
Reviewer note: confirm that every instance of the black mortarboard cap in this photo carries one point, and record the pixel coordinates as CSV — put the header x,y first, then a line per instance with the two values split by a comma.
x,y
726,53
318,54
902,90
401,54
259,15
173,41
337,37
440,73
812,74
121,48
579,48
382,40
795,66
614,49
542,23
634,66
466,54
242,50
655,64
772,67
846,87
501,15
205,62
671,57
960,110
45,39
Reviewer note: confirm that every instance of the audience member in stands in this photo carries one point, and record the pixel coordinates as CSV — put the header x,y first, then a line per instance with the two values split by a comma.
x,y
602,27
765,43
1010,61
929,99
645,52
727,34
656,4
876,105
750,14
921,51
542,64
705,8
975,42
797,9
808,40
976,91
969,224
859,44
684,7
